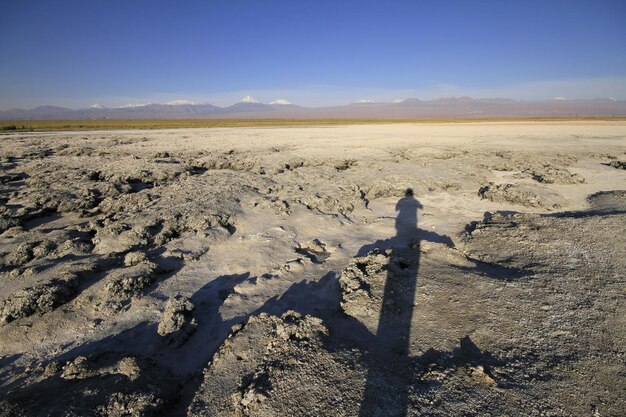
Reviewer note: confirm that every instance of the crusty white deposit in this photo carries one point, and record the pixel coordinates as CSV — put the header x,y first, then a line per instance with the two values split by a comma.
x,y
266,271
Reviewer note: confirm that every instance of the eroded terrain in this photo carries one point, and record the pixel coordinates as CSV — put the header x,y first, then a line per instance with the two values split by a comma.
x,y
287,271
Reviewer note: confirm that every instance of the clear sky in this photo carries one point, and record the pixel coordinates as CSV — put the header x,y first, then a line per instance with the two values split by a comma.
x,y
312,52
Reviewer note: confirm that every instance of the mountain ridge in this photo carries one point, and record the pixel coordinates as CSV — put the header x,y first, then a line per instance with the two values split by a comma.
x,y
248,107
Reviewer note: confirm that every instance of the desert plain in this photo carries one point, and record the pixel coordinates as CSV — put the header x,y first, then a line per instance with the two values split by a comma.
x,y
377,270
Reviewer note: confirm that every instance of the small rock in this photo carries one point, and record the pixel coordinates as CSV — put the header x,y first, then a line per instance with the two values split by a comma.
x,y
177,323
618,164
480,376
23,254
76,369
132,405
134,258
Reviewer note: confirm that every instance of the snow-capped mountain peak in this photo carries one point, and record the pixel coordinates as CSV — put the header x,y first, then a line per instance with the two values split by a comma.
x,y
248,100
96,106
181,103
281,101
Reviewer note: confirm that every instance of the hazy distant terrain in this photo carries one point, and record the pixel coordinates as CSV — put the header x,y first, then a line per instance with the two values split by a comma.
x,y
289,271
457,107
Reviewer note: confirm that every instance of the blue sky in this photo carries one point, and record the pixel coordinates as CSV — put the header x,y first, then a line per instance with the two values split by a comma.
x,y
76,53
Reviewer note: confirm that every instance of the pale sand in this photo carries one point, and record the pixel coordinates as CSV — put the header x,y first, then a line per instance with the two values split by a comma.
x,y
235,218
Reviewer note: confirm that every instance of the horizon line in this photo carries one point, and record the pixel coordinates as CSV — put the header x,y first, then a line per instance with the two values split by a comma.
x,y
249,100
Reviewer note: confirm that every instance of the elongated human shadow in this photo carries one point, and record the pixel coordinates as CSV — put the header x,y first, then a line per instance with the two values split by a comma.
x,y
394,325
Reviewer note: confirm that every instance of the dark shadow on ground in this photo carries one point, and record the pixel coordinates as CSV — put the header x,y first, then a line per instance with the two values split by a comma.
x,y
182,366
386,353
494,270
588,213
392,372
394,324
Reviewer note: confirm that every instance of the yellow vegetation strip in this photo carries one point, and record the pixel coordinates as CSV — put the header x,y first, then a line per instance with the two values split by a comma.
x,y
116,124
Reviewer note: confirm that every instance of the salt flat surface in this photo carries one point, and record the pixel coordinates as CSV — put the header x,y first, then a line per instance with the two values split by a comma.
x,y
508,259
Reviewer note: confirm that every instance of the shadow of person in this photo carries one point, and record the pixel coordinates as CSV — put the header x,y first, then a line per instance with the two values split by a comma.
x,y
406,219
386,389
394,323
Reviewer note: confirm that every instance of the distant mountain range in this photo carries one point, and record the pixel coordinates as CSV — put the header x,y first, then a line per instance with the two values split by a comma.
x,y
248,108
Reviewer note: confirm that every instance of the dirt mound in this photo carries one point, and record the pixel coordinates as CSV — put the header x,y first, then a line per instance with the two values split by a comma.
x,y
105,384
510,193
617,164
37,300
279,366
549,174
608,200
518,240
45,296
177,323
362,285
122,285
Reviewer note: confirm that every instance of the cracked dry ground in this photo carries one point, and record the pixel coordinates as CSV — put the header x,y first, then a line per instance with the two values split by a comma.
x,y
286,271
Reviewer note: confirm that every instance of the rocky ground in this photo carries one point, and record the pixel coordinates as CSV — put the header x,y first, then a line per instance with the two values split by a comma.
x,y
287,271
